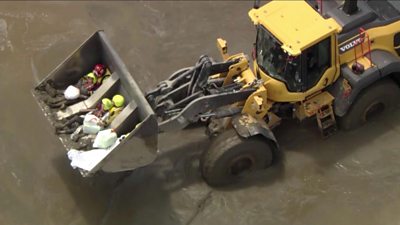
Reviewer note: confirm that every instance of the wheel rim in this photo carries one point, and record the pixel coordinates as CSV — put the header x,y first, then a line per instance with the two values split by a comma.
x,y
373,110
241,164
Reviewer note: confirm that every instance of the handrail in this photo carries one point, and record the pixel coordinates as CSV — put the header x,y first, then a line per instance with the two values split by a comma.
x,y
363,35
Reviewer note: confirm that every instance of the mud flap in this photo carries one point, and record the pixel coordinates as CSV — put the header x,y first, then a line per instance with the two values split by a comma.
x,y
137,119
247,126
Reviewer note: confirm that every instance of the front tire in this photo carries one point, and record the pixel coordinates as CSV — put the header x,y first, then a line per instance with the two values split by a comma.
x,y
370,103
230,156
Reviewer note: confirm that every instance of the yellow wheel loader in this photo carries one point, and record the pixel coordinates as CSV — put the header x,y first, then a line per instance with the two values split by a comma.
x,y
335,61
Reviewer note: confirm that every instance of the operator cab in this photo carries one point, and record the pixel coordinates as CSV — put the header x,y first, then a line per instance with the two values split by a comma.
x,y
295,49
299,73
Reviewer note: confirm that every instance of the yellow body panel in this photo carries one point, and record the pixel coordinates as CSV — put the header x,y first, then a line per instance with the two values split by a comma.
x,y
380,37
223,48
310,107
257,103
294,23
241,67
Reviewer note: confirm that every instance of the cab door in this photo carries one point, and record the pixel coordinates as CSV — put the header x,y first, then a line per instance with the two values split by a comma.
x,y
320,65
316,61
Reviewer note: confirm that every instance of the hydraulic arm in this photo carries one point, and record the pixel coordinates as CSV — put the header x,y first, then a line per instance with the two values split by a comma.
x,y
197,92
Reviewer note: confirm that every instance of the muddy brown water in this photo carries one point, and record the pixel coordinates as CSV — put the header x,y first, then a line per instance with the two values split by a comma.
x,y
350,178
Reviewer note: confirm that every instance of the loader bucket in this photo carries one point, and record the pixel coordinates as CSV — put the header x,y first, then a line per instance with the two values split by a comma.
x,y
137,119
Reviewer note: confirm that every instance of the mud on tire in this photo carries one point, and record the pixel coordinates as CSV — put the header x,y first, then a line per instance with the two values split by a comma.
x,y
373,100
231,156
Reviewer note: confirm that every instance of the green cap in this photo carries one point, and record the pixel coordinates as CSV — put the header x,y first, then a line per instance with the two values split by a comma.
x,y
118,100
91,75
107,103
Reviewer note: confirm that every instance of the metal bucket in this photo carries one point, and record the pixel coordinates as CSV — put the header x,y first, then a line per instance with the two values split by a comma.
x,y
137,119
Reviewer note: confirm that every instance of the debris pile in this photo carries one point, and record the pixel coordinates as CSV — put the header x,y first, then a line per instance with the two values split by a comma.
x,y
88,130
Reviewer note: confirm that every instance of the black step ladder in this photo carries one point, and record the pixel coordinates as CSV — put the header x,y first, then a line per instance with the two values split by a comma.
x,y
326,120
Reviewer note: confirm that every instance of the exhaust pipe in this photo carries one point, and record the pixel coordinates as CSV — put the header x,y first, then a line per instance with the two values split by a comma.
x,y
350,7
256,4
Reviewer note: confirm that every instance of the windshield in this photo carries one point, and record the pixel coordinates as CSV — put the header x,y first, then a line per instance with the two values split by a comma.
x,y
275,62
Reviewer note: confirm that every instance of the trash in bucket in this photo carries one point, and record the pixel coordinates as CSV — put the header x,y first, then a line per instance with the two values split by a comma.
x,y
91,124
86,160
71,93
105,139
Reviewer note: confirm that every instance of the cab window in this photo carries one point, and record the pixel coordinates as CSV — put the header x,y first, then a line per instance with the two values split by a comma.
x,y
317,60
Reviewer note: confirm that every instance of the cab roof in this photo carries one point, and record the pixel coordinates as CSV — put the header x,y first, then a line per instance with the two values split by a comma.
x,y
295,23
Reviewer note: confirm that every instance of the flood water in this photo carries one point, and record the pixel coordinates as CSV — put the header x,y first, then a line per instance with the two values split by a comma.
x,y
350,178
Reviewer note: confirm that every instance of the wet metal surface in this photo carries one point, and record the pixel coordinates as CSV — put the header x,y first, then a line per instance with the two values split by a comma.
x,y
351,178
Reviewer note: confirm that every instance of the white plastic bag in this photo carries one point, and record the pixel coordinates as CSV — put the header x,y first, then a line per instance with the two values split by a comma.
x,y
91,124
86,160
105,139
71,93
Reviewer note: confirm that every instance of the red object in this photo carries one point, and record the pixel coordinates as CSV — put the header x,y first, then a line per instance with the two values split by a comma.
x,y
346,93
355,54
362,36
99,70
357,68
362,31
346,89
320,6
253,52
99,112
89,85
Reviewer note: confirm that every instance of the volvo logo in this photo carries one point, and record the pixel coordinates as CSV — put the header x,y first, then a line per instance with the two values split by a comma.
x,y
348,45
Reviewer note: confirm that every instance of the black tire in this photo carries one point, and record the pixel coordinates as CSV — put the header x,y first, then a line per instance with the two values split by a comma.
x,y
371,102
230,155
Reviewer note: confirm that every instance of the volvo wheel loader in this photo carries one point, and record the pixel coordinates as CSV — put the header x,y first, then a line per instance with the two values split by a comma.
x,y
335,61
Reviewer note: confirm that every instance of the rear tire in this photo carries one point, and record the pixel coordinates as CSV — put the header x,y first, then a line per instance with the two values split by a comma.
x,y
371,102
230,156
